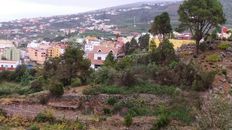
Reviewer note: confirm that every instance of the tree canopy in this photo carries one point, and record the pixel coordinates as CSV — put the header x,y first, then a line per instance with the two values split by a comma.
x,y
131,46
110,60
200,16
144,41
161,25
69,66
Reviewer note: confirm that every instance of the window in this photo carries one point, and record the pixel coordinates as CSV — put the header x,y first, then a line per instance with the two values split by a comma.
x,y
99,58
12,66
99,51
2,66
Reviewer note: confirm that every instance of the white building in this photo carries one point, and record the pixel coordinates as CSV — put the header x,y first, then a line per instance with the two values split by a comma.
x,y
8,65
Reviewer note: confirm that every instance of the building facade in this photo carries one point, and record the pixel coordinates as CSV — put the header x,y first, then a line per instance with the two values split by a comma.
x,y
8,65
11,53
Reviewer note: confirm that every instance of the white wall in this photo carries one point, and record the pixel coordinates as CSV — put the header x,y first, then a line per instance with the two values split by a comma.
x,y
8,65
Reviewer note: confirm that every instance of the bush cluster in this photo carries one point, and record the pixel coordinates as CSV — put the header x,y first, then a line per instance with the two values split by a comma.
x,y
224,45
45,116
213,58
56,88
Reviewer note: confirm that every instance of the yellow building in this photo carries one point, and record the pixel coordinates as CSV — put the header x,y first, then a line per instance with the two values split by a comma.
x,y
56,51
177,43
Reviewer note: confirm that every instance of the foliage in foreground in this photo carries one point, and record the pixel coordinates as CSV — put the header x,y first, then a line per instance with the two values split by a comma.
x,y
56,89
45,116
143,88
7,88
216,113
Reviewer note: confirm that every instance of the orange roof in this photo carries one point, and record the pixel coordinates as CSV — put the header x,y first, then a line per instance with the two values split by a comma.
x,y
91,58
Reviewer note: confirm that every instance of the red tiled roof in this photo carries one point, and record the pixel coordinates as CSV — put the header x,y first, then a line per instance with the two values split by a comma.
x,y
91,58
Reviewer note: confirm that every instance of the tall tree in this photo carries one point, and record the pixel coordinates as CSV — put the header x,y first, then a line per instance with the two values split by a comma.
x,y
110,60
200,16
161,25
131,46
69,66
144,41
165,53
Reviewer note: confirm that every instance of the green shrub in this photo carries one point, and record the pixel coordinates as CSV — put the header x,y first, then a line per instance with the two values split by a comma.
x,y
103,89
142,88
9,88
181,113
76,82
162,122
66,125
45,116
111,101
173,64
6,76
56,89
128,120
37,85
34,127
213,58
135,108
154,89
224,45
112,90
107,111
127,78
203,81
104,75
124,63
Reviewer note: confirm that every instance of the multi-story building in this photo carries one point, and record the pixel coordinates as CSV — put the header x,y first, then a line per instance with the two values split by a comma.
x,y
40,52
11,53
5,44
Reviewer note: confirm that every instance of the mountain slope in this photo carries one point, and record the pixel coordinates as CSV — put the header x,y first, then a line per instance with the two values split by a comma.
x,y
227,4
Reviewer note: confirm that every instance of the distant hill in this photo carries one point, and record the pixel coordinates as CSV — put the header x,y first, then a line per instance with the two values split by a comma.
x,y
141,14
227,4
144,13
136,17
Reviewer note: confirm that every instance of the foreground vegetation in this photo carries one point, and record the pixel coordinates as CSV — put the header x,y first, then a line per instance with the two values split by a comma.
x,y
149,81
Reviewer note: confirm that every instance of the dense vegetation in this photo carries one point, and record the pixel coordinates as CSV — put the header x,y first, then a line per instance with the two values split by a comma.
x,y
129,85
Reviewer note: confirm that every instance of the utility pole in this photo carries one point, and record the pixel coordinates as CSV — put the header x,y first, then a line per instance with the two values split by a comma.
x,y
134,22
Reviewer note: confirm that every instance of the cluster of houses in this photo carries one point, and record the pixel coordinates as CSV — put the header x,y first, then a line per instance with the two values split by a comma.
x,y
40,52
97,50
36,53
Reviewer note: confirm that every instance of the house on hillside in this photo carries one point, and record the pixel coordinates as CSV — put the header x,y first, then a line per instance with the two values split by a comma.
x,y
99,53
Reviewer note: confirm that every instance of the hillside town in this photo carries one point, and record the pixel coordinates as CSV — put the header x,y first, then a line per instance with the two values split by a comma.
x,y
159,65
96,49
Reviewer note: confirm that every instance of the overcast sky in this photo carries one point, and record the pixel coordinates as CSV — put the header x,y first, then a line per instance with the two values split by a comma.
x,y
15,9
